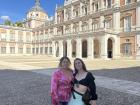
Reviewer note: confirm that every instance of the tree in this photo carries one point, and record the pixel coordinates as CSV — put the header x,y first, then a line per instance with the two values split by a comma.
x,y
19,24
7,22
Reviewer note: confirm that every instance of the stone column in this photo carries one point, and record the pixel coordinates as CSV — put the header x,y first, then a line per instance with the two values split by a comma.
x,y
64,14
48,48
16,48
102,22
116,21
8,36
24,49
72,15
102,4
7,48
69,48
31,49
53,49
79,48
81,4
64,29
43,46
16,36
138,29
61,48
90,48
55,17
138,17
24,37
71,28
90,24
80,25
91,1
55,31
116,3
116,48
103,47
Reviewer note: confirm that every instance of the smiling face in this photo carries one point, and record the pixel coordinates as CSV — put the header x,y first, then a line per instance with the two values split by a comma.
x,y
78,65
65,63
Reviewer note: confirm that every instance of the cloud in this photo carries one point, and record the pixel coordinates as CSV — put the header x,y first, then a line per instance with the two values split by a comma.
x,y
5,18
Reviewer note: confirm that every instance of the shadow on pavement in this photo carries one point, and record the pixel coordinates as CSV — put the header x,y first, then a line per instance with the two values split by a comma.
x,y
24,88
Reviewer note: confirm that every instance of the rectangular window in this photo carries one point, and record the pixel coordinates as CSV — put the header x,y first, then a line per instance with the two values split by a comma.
x,y
41,50
46,50
95,26
28,50
108,24
37,51
12,50
96,7
20,38
20,50
50,50
127,24
28,38
12,37
127,1
127,49
3,50
3,37
33,50
109,4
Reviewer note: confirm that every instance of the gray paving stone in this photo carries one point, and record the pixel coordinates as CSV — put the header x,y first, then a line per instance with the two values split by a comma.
x,y
33,88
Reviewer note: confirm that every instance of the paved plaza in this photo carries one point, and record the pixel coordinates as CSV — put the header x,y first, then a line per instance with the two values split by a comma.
x,y
120,86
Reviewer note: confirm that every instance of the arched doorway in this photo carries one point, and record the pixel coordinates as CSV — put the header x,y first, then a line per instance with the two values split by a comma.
x,y
64,48
84,48
73,48
110,48
96,48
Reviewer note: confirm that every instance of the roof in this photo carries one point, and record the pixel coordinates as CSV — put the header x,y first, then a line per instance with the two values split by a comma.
x,y
37,7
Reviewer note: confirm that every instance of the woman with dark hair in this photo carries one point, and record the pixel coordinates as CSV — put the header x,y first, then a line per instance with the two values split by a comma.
x,y
83,81
61,83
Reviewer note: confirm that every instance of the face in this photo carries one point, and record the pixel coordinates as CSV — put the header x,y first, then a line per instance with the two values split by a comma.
x,y
65,64
78,65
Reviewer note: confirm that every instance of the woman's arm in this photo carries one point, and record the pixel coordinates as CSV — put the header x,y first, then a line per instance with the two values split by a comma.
x,y
54,86
93,102
92,87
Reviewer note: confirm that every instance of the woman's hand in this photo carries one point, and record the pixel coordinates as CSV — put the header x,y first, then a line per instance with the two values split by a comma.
x,y
93,102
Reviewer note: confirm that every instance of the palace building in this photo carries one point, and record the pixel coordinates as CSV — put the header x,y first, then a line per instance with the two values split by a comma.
x,y
92,29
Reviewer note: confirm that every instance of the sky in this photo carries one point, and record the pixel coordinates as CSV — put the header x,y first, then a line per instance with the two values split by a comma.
x,y
15,10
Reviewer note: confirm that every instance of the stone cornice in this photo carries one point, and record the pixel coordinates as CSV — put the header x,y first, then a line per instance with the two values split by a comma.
x,y
15,28
78,35
128,7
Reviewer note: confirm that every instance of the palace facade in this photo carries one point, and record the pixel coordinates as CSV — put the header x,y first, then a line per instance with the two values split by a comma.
x,y
80,28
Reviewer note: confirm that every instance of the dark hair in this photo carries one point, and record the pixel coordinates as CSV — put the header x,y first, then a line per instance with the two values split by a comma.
x,y
60,62
83,65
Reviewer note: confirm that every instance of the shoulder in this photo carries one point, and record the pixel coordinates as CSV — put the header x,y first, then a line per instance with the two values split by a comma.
x,y
90,76
71,70
57,72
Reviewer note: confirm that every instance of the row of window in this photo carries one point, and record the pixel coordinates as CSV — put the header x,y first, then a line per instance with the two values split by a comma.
x,y
12,37
96,26
85,8
47,50
126,50
12,50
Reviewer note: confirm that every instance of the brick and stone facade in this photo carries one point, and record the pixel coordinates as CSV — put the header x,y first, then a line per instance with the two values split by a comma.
x,y
81,28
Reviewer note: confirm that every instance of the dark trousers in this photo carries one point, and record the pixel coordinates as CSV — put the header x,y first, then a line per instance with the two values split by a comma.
x,y
63,103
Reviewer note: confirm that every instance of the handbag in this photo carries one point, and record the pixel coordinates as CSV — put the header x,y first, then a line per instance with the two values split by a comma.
x,y
86,97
